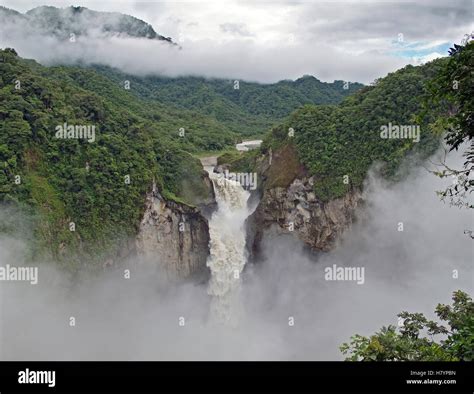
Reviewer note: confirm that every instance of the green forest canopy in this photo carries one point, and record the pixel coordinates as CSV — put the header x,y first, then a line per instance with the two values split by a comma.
x,y
247,108
333,141
76,181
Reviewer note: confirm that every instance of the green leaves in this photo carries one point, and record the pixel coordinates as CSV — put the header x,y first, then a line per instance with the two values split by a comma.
x,y
452,91
453,88
414,339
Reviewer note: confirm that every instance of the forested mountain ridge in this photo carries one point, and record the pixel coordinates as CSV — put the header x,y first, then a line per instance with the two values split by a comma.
x,y
312,167
99,184
63,22
337,144
247,108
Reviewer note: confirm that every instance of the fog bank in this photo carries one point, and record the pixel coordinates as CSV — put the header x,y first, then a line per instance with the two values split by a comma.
x,y
139,318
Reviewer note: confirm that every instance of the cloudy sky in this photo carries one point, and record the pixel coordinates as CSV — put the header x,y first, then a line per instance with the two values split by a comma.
x,y
268,41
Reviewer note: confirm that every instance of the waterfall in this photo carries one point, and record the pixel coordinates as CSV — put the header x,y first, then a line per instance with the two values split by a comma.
x,y
227,248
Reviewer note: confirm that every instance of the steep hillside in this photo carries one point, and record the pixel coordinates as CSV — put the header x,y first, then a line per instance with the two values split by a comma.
x,y
89,190
246,108
312,166
333,141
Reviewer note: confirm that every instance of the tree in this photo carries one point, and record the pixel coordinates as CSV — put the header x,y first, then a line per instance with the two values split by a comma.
x,y
415,340
453,88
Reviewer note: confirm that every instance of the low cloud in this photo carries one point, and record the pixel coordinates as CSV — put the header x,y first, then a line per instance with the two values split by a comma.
x,y
236,28
284,45
239,59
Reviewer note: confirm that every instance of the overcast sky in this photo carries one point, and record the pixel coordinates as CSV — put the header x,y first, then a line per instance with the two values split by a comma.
x,y
272,40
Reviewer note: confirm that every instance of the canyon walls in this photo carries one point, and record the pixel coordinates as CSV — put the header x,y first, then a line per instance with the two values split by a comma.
x,y
288,204
174,236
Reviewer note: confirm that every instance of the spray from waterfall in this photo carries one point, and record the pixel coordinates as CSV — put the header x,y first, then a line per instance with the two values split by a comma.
x,y
227,248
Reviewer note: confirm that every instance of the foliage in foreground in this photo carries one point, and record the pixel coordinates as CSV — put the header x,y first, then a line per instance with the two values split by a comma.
x,y
414,339
454,89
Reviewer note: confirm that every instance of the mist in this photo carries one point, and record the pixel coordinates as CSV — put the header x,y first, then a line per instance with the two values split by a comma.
x,y
409,270
205,58
237,56
148,317
253,41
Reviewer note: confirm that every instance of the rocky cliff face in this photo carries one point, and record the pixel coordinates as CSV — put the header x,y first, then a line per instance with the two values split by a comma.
x,y
288,204
296,209
173,236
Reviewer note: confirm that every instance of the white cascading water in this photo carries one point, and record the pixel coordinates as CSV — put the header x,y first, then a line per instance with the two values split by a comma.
x,y
227,248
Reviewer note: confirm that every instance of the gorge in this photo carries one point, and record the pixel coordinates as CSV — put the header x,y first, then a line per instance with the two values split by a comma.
x,y
214,220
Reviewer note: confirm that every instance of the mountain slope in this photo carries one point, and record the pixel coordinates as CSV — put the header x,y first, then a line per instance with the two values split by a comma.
x,y
80,21
313,166
333,141
98,184
247,108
